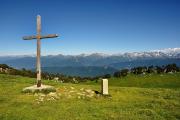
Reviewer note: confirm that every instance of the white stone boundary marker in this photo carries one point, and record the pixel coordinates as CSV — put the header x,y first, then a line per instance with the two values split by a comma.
x,y
104,86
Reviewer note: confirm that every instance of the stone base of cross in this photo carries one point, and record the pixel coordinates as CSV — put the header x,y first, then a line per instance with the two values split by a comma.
x,y
39,37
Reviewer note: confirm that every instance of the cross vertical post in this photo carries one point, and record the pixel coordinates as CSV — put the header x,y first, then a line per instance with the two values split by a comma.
x,y
38,66
39,37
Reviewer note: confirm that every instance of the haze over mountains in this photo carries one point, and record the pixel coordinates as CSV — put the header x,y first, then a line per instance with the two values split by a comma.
x,y
96,63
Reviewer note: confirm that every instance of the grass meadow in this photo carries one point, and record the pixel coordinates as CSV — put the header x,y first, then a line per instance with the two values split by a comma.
x,y
143,97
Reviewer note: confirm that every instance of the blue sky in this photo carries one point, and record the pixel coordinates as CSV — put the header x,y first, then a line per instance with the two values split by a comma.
x,y
87,26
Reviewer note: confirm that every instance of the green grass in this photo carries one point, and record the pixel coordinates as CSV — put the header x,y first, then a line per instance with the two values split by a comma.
x,y
148,97
145,81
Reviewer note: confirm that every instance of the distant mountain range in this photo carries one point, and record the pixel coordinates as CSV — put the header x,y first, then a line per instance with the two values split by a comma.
x,y
96,63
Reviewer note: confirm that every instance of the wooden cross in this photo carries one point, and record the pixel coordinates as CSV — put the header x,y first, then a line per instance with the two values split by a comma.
x,y
39,37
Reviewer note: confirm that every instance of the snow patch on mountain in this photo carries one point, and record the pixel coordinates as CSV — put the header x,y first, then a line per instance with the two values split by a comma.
x,y
168,50
163,53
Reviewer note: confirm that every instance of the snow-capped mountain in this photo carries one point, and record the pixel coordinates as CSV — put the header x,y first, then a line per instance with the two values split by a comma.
x,y
96,61
168,50
168,53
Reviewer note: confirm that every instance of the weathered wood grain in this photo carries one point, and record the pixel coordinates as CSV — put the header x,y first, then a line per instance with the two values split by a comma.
x,y
39,37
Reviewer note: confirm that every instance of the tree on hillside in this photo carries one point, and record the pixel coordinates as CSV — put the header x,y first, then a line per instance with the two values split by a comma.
x,y
159,69
4,66
107,76
171,68
121,73
139,70
124,72
151,69
117,74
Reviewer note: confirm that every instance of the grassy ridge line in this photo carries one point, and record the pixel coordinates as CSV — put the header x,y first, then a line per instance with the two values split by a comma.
x,y
144,81
127,103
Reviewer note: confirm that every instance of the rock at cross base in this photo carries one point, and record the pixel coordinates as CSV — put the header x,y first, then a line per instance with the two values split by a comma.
x,y
43,89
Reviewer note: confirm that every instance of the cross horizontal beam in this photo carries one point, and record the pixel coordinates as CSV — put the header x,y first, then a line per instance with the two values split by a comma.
x,y
41,37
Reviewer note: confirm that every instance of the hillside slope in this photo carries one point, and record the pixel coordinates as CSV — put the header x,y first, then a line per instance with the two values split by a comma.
x,y
135,102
